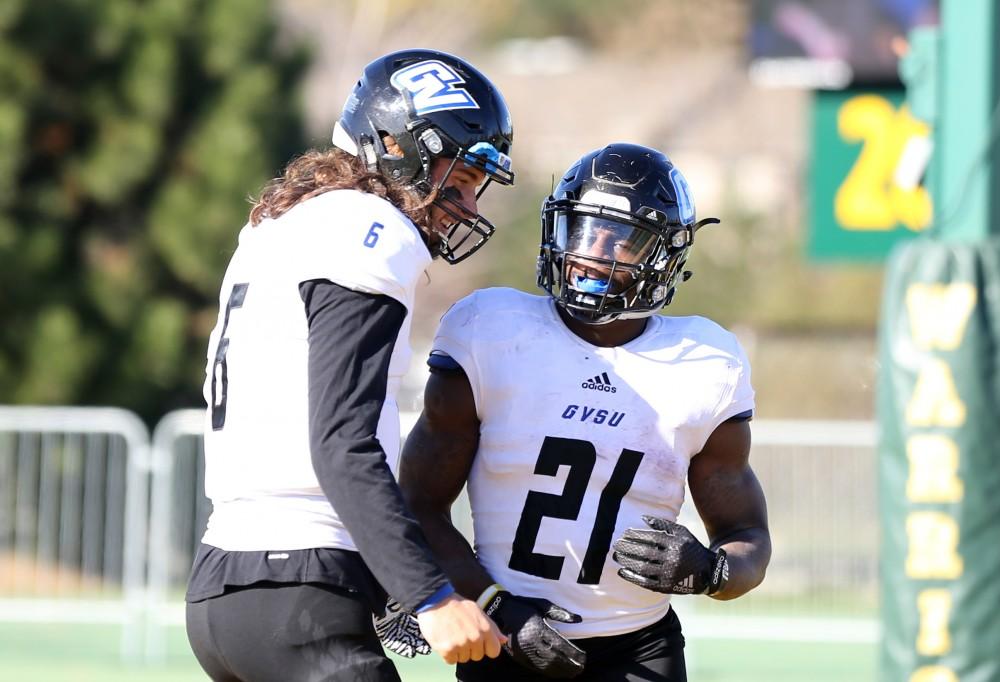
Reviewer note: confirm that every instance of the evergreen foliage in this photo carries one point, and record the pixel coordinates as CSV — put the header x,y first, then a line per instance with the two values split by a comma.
x,y
131,133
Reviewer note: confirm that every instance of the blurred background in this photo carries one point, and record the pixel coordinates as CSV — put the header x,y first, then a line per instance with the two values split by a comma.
x,y
133,135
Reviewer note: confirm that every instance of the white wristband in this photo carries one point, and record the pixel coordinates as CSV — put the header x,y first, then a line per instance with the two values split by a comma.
x,y
487,596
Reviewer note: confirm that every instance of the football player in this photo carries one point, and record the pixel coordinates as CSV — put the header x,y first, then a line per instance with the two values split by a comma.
x,y
308,529
577,418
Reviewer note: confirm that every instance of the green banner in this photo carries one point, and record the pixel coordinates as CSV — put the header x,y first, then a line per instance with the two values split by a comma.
x,y
858,208
939,463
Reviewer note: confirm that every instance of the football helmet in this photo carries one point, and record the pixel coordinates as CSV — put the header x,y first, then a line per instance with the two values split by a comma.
x,y
616,232
433,105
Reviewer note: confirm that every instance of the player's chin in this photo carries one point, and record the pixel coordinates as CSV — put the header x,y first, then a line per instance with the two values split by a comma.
x,y
434,239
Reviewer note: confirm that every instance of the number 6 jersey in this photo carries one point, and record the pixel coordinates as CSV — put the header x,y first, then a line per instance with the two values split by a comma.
x,y
259,473
577,442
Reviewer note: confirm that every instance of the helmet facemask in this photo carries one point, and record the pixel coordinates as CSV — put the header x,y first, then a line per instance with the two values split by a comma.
x,y
466,232
602,264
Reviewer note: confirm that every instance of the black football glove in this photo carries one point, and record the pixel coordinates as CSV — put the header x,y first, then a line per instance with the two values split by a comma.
x,y
669,559
530,640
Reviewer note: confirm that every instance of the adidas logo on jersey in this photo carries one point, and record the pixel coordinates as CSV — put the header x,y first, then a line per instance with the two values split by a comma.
x,y
599,383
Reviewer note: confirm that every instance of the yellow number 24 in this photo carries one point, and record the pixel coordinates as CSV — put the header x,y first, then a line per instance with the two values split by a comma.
x,y
869,199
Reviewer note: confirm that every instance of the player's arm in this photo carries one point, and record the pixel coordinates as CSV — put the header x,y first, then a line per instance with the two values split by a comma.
x,y
436,460
731,504
667,557
435,464
351,338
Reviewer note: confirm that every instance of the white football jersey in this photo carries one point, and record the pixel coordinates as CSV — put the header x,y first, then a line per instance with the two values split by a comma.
x,y
258,468
578,442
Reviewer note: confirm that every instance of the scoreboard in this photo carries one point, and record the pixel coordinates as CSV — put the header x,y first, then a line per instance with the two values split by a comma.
x,y
866,172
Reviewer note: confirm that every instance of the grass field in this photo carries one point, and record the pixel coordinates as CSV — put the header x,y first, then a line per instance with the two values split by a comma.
x,y
89,653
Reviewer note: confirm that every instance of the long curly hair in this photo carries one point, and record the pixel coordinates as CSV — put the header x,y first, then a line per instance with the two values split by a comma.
x,y
318,171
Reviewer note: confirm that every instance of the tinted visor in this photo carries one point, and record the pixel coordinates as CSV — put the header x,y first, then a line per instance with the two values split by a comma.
x,y
598,237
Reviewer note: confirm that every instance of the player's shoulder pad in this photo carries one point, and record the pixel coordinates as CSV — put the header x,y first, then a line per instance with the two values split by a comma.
x,y
501,301
354,205
495,307
375,246
706,332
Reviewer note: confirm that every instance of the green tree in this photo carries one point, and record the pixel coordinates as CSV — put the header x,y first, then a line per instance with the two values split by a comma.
x,y
131,133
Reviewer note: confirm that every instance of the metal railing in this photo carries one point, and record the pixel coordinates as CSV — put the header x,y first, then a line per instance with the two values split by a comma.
x,y
819,478
64,469
73,514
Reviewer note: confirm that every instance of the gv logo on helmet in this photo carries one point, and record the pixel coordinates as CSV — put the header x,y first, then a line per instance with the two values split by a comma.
x,y
432,84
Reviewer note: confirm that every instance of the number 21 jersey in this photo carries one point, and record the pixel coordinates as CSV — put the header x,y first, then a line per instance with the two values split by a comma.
x,y
577,442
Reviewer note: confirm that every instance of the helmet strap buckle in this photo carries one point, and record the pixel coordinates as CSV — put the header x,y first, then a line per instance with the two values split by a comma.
x,y
432,141
368,153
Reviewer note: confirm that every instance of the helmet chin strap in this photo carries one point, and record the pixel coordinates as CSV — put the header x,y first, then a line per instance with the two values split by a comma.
x,y
586,316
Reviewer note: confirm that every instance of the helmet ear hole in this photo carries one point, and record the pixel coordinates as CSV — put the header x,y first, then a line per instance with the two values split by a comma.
x,y
392,148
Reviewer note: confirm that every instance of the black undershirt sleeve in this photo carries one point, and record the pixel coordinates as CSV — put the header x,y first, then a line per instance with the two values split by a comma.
x,y
351,338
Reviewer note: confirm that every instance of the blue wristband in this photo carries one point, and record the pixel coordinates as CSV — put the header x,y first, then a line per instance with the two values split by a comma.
x,y
440,595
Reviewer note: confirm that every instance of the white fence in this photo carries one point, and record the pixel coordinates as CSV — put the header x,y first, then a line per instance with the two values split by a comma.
x,y
73,514
99,523
822,584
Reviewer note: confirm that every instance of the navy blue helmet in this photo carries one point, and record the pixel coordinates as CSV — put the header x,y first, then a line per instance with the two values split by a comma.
x,y
616,233
432,104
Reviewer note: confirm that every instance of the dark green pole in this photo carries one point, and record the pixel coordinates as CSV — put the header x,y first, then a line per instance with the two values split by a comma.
x,y
965,175
939,379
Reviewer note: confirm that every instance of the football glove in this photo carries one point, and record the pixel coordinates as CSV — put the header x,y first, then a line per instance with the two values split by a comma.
x,y
669,559
530,640
399,631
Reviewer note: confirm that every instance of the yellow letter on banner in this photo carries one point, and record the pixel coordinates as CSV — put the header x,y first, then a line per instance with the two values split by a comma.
x,y
935,610
939,313
933,469
935,400
934,673
933,551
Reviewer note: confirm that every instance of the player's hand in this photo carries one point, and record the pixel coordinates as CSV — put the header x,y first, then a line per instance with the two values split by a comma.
x,y
669,559
458,630
399,631
530,640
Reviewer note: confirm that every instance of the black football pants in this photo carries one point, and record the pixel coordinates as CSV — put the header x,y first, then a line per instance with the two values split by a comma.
x,y
653,654
284,632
